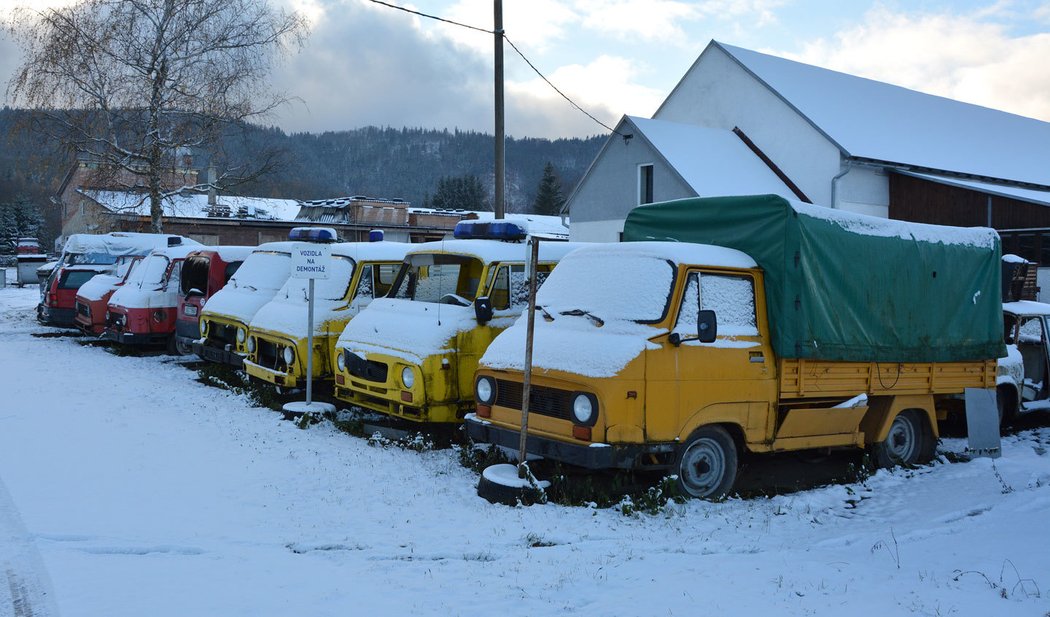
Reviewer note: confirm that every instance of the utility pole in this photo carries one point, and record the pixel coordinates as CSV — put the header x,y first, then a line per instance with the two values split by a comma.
x,y
497,29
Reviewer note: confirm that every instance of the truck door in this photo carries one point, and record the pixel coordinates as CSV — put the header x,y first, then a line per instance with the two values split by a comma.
x,y
733,378
1031,342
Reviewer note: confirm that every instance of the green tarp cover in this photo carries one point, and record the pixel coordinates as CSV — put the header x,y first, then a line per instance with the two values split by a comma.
x,y
844,286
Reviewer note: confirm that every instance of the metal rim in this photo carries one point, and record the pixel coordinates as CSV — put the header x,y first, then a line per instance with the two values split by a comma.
x,y
903,440
703,467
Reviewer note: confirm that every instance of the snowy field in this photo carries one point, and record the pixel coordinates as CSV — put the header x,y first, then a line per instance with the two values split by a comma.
x,y
129,489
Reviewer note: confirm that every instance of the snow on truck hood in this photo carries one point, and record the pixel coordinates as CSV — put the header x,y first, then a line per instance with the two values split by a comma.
x,y
98,286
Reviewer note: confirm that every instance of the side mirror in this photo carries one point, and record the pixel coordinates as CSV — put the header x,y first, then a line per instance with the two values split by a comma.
x,y
483,310
194,292
707,326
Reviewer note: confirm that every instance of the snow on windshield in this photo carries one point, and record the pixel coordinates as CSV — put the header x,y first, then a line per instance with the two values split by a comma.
x,y
429,278
341,270
152,270
732,298
263,270
627,287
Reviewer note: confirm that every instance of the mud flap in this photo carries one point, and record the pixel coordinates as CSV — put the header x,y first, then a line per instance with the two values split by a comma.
x,y
982,423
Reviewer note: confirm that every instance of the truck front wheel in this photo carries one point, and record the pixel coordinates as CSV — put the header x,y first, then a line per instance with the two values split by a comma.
x,y
909,441
707,464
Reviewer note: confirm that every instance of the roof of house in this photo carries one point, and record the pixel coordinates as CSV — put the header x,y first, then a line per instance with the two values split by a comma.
x,y
869,119
195,205
1033,196
713,162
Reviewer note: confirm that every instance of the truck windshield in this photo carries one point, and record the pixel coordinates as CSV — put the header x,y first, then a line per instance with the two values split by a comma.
x,y
340,271
450,279
151,272
263,270
609,287
73,279
103,259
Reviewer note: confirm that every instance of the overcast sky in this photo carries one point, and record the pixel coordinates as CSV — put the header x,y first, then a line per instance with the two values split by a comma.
x,y
366,64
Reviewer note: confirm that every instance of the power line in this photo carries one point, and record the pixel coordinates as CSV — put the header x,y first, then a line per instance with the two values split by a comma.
x,y
513,46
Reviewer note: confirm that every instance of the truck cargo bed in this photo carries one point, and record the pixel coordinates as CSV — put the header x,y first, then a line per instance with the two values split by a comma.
x,y
807,379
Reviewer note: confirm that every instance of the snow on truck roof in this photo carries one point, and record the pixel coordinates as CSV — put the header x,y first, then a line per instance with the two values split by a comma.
x,y
675,252
491,251
1026,307
229,253
373,251
121,243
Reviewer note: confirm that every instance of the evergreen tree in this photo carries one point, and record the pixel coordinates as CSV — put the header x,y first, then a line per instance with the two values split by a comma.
x,y
549,199
460,193
18,219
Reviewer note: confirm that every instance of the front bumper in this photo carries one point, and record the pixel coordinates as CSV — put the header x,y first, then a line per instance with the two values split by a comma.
x,y
133,338
277,378
602,456
221,355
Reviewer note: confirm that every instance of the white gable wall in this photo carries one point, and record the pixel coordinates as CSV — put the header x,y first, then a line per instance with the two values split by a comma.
x,y
864,189
609,190
718,92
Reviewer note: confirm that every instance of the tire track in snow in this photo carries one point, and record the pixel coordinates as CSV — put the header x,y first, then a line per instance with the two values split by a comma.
x,y
28,588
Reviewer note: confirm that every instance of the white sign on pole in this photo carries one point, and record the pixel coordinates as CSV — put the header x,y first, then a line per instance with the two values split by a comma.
x,y
310,261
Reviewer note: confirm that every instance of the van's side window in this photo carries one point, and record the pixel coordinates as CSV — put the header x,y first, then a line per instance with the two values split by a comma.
x,y
364,286
510,289
732,298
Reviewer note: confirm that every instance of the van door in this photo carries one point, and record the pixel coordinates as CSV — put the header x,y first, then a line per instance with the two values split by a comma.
x,y
732,379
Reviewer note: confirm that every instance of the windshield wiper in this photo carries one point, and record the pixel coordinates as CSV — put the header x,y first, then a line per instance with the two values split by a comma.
x,y
546,316
598,321
250,287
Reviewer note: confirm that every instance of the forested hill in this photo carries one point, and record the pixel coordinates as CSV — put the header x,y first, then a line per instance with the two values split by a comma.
x,y
372,161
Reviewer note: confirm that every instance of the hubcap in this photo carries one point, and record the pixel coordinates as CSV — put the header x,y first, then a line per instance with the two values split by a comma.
x,y
703,467
902,440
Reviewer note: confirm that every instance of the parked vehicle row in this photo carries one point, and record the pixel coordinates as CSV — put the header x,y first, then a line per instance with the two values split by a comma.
x,y
722,327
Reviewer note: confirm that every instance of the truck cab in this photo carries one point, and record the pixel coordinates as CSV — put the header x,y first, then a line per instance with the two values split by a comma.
x,y
1023,382
225,318
142,311
204,273
412,354
277,336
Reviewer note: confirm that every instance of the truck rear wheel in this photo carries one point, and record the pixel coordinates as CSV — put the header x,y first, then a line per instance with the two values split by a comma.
x,y
707,464
909,442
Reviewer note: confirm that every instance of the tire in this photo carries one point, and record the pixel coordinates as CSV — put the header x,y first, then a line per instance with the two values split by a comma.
x,y
707,464
909,442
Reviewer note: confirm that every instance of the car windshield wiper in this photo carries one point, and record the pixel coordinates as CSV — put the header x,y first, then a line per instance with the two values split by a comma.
x,y
598,321
546,316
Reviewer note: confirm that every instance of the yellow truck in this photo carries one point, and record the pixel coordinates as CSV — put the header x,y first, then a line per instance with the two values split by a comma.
x,y
412,355
276,342
833,331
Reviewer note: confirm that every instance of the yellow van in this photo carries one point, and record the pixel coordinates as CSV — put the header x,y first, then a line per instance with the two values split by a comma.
x,y
412,355
277,334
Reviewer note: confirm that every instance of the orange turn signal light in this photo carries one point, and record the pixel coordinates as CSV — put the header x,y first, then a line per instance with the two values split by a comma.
x,y
582,432
484,411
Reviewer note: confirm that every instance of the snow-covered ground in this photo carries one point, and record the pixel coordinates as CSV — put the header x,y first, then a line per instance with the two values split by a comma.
x,y
127,488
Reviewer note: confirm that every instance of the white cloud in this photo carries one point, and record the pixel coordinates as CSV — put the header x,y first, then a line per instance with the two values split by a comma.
x,y
951,55
537,24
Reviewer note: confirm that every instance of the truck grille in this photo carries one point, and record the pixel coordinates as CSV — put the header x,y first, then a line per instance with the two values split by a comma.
x,y
544,401
222,334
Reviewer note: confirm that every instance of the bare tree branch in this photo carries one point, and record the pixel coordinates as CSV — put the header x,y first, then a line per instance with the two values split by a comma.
x,y
135,83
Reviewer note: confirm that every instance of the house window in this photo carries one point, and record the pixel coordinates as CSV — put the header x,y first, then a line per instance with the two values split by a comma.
x,y
645,184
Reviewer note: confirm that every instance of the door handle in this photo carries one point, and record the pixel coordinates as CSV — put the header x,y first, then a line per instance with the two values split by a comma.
x,y
756,356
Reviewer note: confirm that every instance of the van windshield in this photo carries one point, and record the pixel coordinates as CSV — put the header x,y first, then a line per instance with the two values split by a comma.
x,y
429,277
609,287
263,270
151,272
195,274
340,271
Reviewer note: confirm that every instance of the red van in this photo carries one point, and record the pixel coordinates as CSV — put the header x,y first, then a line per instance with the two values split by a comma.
x,y
203,273
93,296
142,311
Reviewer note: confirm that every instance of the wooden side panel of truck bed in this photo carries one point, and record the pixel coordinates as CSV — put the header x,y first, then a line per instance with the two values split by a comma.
x,y
800,379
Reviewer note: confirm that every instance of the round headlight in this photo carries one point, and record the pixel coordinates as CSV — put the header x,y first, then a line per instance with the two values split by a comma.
x,y
204,328
582,408
251,345
240,335
289,355
484,390
340,360
408,377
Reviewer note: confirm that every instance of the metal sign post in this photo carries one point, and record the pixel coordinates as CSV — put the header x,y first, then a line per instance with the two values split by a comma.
x,y
310,261
530,325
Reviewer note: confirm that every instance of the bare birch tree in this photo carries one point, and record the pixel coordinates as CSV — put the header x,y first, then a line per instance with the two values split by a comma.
x,y
135,83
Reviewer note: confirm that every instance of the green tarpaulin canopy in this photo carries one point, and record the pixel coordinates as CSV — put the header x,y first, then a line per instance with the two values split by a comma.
x,y
844,286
